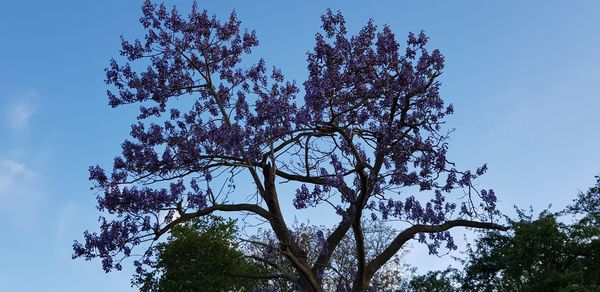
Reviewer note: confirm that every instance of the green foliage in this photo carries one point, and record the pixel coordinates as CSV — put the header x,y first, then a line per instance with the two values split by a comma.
x,y
586,205
534,257
435,281
200,256
541,254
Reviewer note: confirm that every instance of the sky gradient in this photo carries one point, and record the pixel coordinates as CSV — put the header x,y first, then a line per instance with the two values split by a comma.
x,y
523,79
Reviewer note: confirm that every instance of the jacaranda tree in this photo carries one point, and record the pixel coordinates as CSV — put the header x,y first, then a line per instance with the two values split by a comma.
x,y
366,139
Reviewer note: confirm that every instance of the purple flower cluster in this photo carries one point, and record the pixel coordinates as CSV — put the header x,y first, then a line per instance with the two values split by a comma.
x,y
305,198
386,102
179,57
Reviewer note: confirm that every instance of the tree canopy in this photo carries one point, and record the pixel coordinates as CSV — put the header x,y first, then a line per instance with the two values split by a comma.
x,y
366,139
201,254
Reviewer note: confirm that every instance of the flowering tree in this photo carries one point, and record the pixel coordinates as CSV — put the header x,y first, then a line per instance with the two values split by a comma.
x,y
367,135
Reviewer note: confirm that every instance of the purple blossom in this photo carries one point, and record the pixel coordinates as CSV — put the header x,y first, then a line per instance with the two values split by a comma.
x,y
481,170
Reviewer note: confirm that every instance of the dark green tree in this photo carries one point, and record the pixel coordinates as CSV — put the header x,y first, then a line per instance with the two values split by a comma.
x,y
553,252
584,237
201,255
533,257
435,281
544,254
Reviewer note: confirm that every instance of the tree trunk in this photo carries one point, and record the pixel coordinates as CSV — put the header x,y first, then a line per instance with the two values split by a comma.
x,y
306,286
360,285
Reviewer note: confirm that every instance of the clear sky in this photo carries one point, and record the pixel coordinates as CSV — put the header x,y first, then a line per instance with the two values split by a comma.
x,y
522,75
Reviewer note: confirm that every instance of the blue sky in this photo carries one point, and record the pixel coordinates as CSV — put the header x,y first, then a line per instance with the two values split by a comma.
x,y
522,75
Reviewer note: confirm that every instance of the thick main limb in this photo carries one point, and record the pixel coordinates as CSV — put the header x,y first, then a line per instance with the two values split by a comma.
x,y
410,232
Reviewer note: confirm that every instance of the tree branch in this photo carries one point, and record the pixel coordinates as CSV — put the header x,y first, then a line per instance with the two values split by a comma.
x,y
266,277
331,243
410,232
209,210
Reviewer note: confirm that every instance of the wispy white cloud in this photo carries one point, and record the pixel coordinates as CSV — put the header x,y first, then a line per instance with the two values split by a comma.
x,y
12,172
19,115
20,195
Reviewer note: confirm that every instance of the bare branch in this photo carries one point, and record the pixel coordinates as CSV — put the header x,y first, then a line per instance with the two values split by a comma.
x,y
209,210
410,232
